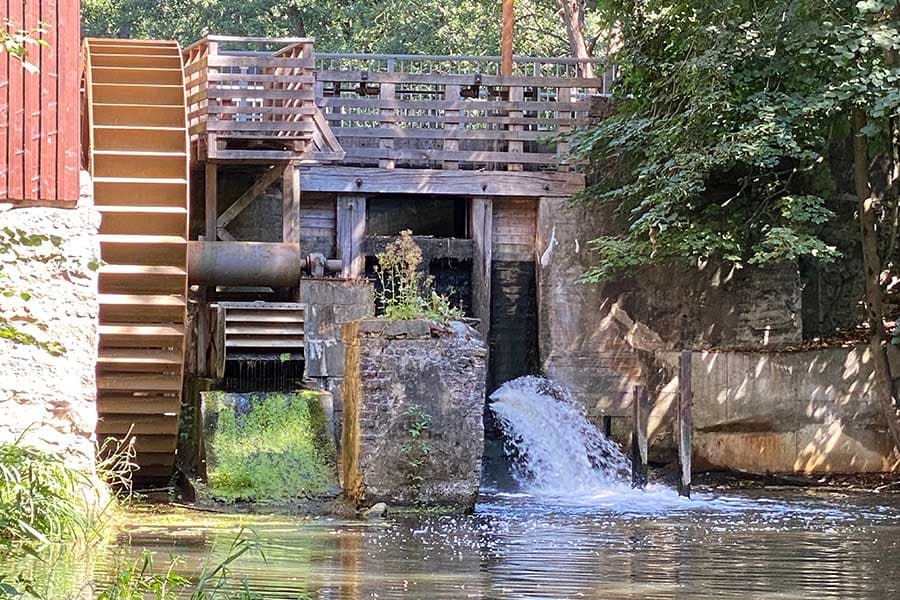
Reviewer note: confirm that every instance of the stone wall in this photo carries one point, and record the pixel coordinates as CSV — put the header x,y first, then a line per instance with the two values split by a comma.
x,y
329,304
49,392
592,336
804,412
398,375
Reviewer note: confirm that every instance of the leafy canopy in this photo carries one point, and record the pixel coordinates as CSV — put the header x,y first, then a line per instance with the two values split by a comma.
x,y
723,118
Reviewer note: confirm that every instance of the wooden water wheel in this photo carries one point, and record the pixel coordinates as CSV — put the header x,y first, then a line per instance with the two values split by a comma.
x,y
137,149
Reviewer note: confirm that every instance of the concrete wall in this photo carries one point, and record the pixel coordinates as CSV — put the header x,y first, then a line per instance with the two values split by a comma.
x,y
51,397
396,370
329,304
592,336
805,412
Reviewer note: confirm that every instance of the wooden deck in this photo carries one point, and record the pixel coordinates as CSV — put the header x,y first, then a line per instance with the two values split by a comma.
x,y
275,99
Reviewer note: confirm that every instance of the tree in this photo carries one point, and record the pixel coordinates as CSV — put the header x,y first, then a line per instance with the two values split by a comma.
x,y
719,147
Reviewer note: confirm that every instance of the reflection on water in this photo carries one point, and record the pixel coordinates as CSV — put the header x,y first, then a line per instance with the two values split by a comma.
x,y
517,546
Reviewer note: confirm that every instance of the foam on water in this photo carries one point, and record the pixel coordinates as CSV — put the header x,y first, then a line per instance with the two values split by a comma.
x,y
560,458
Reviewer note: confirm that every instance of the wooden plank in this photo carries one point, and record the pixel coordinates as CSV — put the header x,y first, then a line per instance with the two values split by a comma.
x,y
463,105
15,154
435,78
481,230
537,119
32,104
685,422
461,156
386,92
211,200
351,233
290,217
640,413
221,60
448,134
349,180
68,121
257,189
5,132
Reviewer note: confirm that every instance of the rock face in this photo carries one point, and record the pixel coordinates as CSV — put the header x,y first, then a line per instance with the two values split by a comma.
x,y
414,395
47,385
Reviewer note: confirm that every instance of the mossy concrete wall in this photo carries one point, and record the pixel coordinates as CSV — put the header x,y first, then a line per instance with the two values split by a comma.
x,y
267,447
48,387
414,395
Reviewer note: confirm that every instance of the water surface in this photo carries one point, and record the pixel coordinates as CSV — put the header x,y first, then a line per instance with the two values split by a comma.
x,y
620,544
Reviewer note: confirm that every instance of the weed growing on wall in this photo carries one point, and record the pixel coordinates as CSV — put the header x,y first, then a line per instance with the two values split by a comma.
x,y
405,292
268,447
416,449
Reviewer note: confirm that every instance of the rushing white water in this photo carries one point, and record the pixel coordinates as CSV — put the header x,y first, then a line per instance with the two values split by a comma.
x,y
554,449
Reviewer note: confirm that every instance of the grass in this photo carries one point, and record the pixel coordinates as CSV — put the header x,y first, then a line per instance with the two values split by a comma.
x,y
273,447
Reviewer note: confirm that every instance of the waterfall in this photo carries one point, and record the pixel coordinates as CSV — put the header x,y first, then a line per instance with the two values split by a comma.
x,y
554,449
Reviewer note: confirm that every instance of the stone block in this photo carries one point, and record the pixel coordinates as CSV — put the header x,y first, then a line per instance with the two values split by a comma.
x,y
412,414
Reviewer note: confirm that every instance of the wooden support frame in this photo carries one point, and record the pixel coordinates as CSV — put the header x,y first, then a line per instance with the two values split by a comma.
x,y
290,216
255,191
481,218
351,234
640,411
212,198
685,422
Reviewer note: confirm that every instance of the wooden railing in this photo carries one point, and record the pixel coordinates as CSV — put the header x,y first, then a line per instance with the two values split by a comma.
x,y
455,111
274,99
253,99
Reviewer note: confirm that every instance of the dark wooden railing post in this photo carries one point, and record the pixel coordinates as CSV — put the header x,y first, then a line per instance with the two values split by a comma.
x,y
640,413
685,423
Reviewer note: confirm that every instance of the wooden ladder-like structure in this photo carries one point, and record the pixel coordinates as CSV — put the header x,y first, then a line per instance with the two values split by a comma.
x,y
137,144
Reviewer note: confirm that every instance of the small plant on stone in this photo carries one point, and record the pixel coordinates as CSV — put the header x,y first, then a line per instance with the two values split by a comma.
x,y
416,450
405,292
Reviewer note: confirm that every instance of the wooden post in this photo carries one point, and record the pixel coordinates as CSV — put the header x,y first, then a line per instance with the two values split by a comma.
x,y
481,217
351,234
506,37
451,124
685,423
640,411
212,208
516,94
290,219
387,92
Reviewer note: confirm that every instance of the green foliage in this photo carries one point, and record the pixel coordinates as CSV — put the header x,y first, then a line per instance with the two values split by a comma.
x,y
273,449
42,500
471,27
725,113
416,449
404,292
17,42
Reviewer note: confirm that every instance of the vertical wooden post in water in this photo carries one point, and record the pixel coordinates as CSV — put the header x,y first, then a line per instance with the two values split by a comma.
x,y
640,405
685,423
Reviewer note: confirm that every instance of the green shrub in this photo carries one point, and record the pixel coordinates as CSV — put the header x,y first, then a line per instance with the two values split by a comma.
x,y
276,449
404,292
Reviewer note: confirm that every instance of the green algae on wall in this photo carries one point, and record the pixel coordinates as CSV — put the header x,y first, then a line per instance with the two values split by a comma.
x,y
267,447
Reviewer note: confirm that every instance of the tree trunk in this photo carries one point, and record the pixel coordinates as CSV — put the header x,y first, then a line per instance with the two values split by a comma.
x,y
884,388
573,19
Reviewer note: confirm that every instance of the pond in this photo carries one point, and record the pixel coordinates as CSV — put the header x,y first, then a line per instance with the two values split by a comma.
x,y
615,544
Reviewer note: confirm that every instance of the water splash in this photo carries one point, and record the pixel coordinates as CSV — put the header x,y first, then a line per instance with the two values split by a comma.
x,y
555,450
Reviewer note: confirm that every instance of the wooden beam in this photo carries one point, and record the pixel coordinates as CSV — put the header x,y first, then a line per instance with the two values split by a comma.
x,y
290,218
211,200
506,37
481,227
685,423
354,180
351,234
640,411
255,191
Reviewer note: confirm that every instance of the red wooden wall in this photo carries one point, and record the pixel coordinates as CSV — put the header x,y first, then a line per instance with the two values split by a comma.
x,y
39,112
